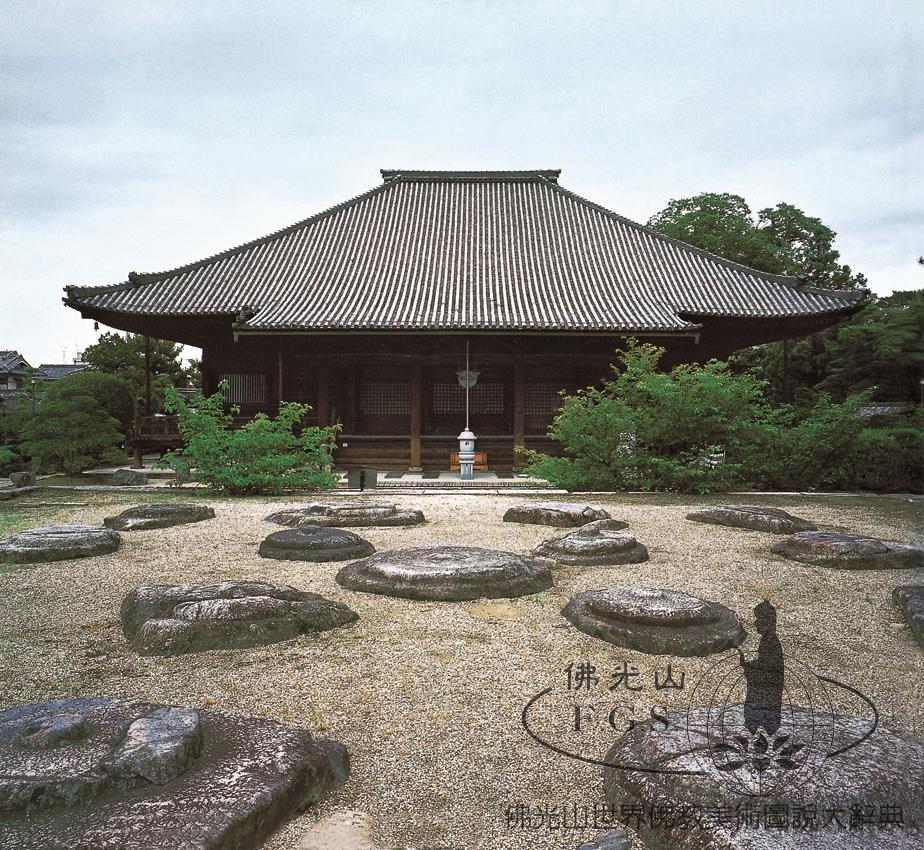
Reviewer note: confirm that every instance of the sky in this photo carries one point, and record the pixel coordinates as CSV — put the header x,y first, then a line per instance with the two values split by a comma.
x,y
139,136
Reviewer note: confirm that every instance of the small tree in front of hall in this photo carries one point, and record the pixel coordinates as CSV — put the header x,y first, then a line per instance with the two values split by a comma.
x,y
262,456
71,432
646,429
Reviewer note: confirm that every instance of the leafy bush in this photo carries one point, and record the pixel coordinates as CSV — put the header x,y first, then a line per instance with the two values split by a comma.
x,y
10,460
70,431
816,451
650,430
263,456
888,460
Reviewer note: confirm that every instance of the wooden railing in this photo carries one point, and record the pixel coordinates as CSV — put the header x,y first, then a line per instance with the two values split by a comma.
x,y
156,429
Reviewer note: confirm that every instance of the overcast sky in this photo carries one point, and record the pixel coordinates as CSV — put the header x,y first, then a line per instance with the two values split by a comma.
x,y
140,136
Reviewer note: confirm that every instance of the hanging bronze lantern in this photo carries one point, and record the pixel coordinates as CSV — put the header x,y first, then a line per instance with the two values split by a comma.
x,y
468,378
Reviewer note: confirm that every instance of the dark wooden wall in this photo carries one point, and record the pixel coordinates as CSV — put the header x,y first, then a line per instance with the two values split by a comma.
x,y
397,398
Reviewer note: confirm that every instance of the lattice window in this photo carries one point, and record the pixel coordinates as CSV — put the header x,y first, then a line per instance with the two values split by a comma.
x,y
246,388
385,398
542,399
485,399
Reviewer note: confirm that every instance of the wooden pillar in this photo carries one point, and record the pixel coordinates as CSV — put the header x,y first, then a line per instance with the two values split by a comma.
x,y
279,378
207,385
136,444
356,388
519,408
787,384
147,375
323,394
416,412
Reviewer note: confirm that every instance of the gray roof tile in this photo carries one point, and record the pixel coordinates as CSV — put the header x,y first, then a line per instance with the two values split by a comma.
x,y
465,251
12,362
56,371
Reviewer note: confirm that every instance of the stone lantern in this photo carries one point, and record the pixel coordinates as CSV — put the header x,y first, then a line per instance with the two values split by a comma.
x,y
467,455
467,380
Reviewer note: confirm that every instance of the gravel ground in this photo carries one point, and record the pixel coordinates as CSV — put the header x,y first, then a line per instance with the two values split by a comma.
x,y
428,696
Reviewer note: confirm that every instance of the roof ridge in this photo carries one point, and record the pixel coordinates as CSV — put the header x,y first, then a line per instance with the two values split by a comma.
x,y
136,279
550,174
787,280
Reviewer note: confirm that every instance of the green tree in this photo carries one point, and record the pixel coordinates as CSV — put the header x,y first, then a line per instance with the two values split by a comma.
x,y
71,431
806,248
722,224
17,414
112,393
262,456
645,429
879,349
124,355
780,239
784,240
813,450
651,430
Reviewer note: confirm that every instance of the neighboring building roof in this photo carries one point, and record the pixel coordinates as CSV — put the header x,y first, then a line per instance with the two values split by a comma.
x,y
464,251
12,363
56,371
886,408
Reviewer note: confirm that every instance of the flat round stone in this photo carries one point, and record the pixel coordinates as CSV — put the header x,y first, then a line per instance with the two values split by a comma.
x,y
756,517
849,551
163,515
599,543
140,776
685,770
559,514
347,515
651,606
654,620
58,543
448,573
175,619
314,543
910,601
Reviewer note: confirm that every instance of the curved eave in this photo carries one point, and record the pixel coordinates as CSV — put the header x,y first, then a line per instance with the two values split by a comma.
x,y
687,330
587,270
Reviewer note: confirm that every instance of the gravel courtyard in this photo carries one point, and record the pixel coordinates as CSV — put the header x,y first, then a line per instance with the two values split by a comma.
x,y
427,696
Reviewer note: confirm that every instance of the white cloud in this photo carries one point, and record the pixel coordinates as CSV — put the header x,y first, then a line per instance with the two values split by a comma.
x,y
142,136
889,279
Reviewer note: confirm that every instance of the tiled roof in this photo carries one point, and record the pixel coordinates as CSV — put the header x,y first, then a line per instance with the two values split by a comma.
x,y
464,251
886,408
56,371
12,362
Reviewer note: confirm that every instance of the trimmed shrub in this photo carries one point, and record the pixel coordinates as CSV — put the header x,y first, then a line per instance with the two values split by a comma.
x,y
70,432
112,393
